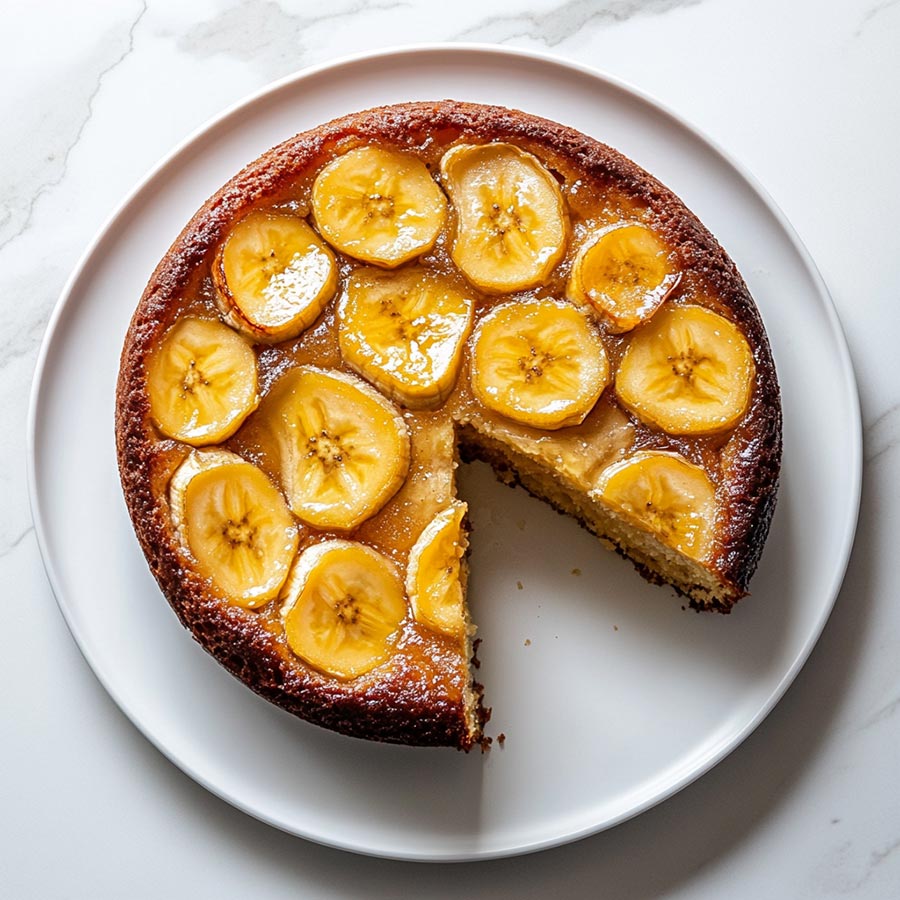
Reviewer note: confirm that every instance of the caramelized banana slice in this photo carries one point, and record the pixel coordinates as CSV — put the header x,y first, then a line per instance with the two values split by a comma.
x,y
512,224
235,524
344,448
538,362
625,273
273,276
687,371
667,495
343,607
433,572
202,382
405,331
380,206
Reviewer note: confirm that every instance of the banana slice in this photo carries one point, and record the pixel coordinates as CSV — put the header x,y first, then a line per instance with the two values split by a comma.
x,y
512,224
273,276
405,331
380,206
667,495
433,572
687,371
202,382
344,448
538,362
344,604
625,274
235,524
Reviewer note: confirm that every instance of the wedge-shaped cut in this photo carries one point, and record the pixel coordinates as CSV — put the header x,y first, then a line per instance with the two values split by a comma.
x,y
625,273
404,331
202,382
433,572
512,224
273,276
344,605
538,362
380,206
667,495
235,524
687,371
344,448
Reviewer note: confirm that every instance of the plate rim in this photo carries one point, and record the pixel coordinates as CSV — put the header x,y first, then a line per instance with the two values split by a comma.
x,y
386,54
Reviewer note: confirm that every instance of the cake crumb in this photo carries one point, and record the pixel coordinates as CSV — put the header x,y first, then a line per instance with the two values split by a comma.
x,y
576,571
519,585
527,642
501,739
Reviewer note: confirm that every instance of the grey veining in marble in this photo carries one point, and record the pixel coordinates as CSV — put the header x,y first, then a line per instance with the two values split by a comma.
x,y
873,13
269,37
884,712
883,433
559,23
59,132
9,547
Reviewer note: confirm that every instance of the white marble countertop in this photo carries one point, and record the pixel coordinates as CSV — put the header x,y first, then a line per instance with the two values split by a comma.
x,y
805,94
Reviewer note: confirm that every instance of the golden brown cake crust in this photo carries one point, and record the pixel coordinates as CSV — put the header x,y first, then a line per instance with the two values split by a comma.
x,y
395,710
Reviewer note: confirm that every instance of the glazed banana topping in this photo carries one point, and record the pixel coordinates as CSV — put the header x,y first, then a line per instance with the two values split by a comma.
x,y
667,495
343,607
404,331
625,273
512,224
235,524
378,206
433,572
687,371
344,448
273,277
201,382
538,362
533,330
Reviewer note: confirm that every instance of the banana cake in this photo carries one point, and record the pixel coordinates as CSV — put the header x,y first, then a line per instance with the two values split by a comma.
x,y
372,300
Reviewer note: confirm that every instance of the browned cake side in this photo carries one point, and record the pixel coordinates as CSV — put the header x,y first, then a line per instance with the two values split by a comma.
x,y
425,696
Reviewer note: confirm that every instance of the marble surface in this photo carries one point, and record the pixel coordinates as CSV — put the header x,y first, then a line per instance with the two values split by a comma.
x,y
95,93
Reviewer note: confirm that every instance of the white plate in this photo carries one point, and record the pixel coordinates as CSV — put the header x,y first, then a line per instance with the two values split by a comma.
x,y
611,697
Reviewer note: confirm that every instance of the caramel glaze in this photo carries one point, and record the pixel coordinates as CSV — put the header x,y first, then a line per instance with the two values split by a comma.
x,y
417,697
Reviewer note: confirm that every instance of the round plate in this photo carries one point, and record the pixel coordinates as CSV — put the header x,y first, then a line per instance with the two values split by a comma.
x,y
610,696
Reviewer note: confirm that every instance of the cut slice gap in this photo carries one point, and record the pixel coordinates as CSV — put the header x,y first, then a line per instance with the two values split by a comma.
x,y
653,559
